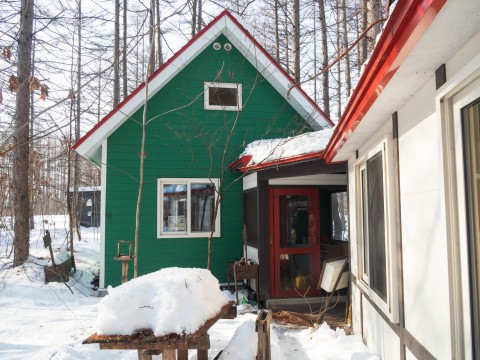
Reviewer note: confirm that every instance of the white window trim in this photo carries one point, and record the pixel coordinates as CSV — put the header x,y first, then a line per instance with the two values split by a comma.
x,y
458,92
187,233
390,307
206,93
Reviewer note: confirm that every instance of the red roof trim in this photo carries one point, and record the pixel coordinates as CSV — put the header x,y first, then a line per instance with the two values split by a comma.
x,y
181,51
407,24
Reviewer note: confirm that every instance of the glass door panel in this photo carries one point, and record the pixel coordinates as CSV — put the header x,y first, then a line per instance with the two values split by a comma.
x,y
295,255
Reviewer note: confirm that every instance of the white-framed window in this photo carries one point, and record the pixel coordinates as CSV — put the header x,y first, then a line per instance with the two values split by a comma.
x,y
186,208
375,228
222,96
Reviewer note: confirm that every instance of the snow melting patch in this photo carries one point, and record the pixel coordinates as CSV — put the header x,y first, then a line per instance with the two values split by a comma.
x,y
171,300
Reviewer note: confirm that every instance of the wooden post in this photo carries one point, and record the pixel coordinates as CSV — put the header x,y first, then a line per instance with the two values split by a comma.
x,y
169,354
262,327
124,258
143,355
182,354
124,271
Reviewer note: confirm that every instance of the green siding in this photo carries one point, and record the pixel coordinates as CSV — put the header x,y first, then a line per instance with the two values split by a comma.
x,y
183,142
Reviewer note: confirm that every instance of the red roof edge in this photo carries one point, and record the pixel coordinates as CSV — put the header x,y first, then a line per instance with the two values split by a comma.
x,y
240,162
182,50
408,22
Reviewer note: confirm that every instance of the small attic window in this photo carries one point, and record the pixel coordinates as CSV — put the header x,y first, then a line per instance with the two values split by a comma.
x,y
223,96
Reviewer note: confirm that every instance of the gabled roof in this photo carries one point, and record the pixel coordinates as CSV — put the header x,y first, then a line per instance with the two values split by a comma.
x,y
90,144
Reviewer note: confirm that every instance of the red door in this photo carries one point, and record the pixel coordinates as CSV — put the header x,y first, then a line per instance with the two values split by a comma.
x,y
295,242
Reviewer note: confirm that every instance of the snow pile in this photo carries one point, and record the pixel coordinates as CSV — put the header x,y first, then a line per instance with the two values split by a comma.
x,y
275,149
243,345
171,300
322,343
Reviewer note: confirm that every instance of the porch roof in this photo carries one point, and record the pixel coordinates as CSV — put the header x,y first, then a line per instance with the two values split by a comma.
x,y
263,154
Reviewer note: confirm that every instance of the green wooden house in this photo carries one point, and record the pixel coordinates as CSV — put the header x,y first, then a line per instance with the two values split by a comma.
x,y
218,93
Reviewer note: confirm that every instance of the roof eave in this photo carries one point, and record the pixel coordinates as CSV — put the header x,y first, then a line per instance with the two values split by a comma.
x,y
408,22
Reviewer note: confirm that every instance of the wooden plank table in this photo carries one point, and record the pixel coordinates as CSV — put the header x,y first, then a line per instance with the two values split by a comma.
x,y
171,346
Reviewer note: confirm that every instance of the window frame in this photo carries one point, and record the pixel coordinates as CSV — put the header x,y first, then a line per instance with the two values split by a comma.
x,y
471,186
364,264
188,233
206,96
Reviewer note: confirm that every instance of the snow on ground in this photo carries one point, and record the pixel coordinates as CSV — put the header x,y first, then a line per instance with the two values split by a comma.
x,y
47,321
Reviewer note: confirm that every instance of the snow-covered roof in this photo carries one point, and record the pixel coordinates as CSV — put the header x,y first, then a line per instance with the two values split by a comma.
x,y
264,152
228,25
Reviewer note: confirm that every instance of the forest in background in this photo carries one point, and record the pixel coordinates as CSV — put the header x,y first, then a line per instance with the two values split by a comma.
x,y
65,64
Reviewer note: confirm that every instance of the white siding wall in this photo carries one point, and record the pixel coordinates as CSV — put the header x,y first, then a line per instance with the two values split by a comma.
x,y
378,334
424,235
424,240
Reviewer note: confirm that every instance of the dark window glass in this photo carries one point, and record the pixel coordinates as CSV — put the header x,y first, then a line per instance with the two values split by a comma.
x,y
202,205
223,96
339,203
376,226
295,224
251,217
471,130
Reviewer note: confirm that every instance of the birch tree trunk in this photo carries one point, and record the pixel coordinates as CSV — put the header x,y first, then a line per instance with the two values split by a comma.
x,y
21,239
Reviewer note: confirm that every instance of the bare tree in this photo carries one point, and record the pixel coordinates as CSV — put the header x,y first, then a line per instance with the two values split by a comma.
x,y
159,35
296,40
116,55
346,59
277,35
124,51
325,75
22,117
194,18
199,16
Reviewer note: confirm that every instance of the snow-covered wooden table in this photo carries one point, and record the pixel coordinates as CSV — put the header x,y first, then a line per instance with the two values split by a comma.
x,y
171,346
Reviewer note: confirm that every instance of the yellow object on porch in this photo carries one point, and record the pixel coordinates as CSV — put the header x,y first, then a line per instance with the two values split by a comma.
x,y
302,281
